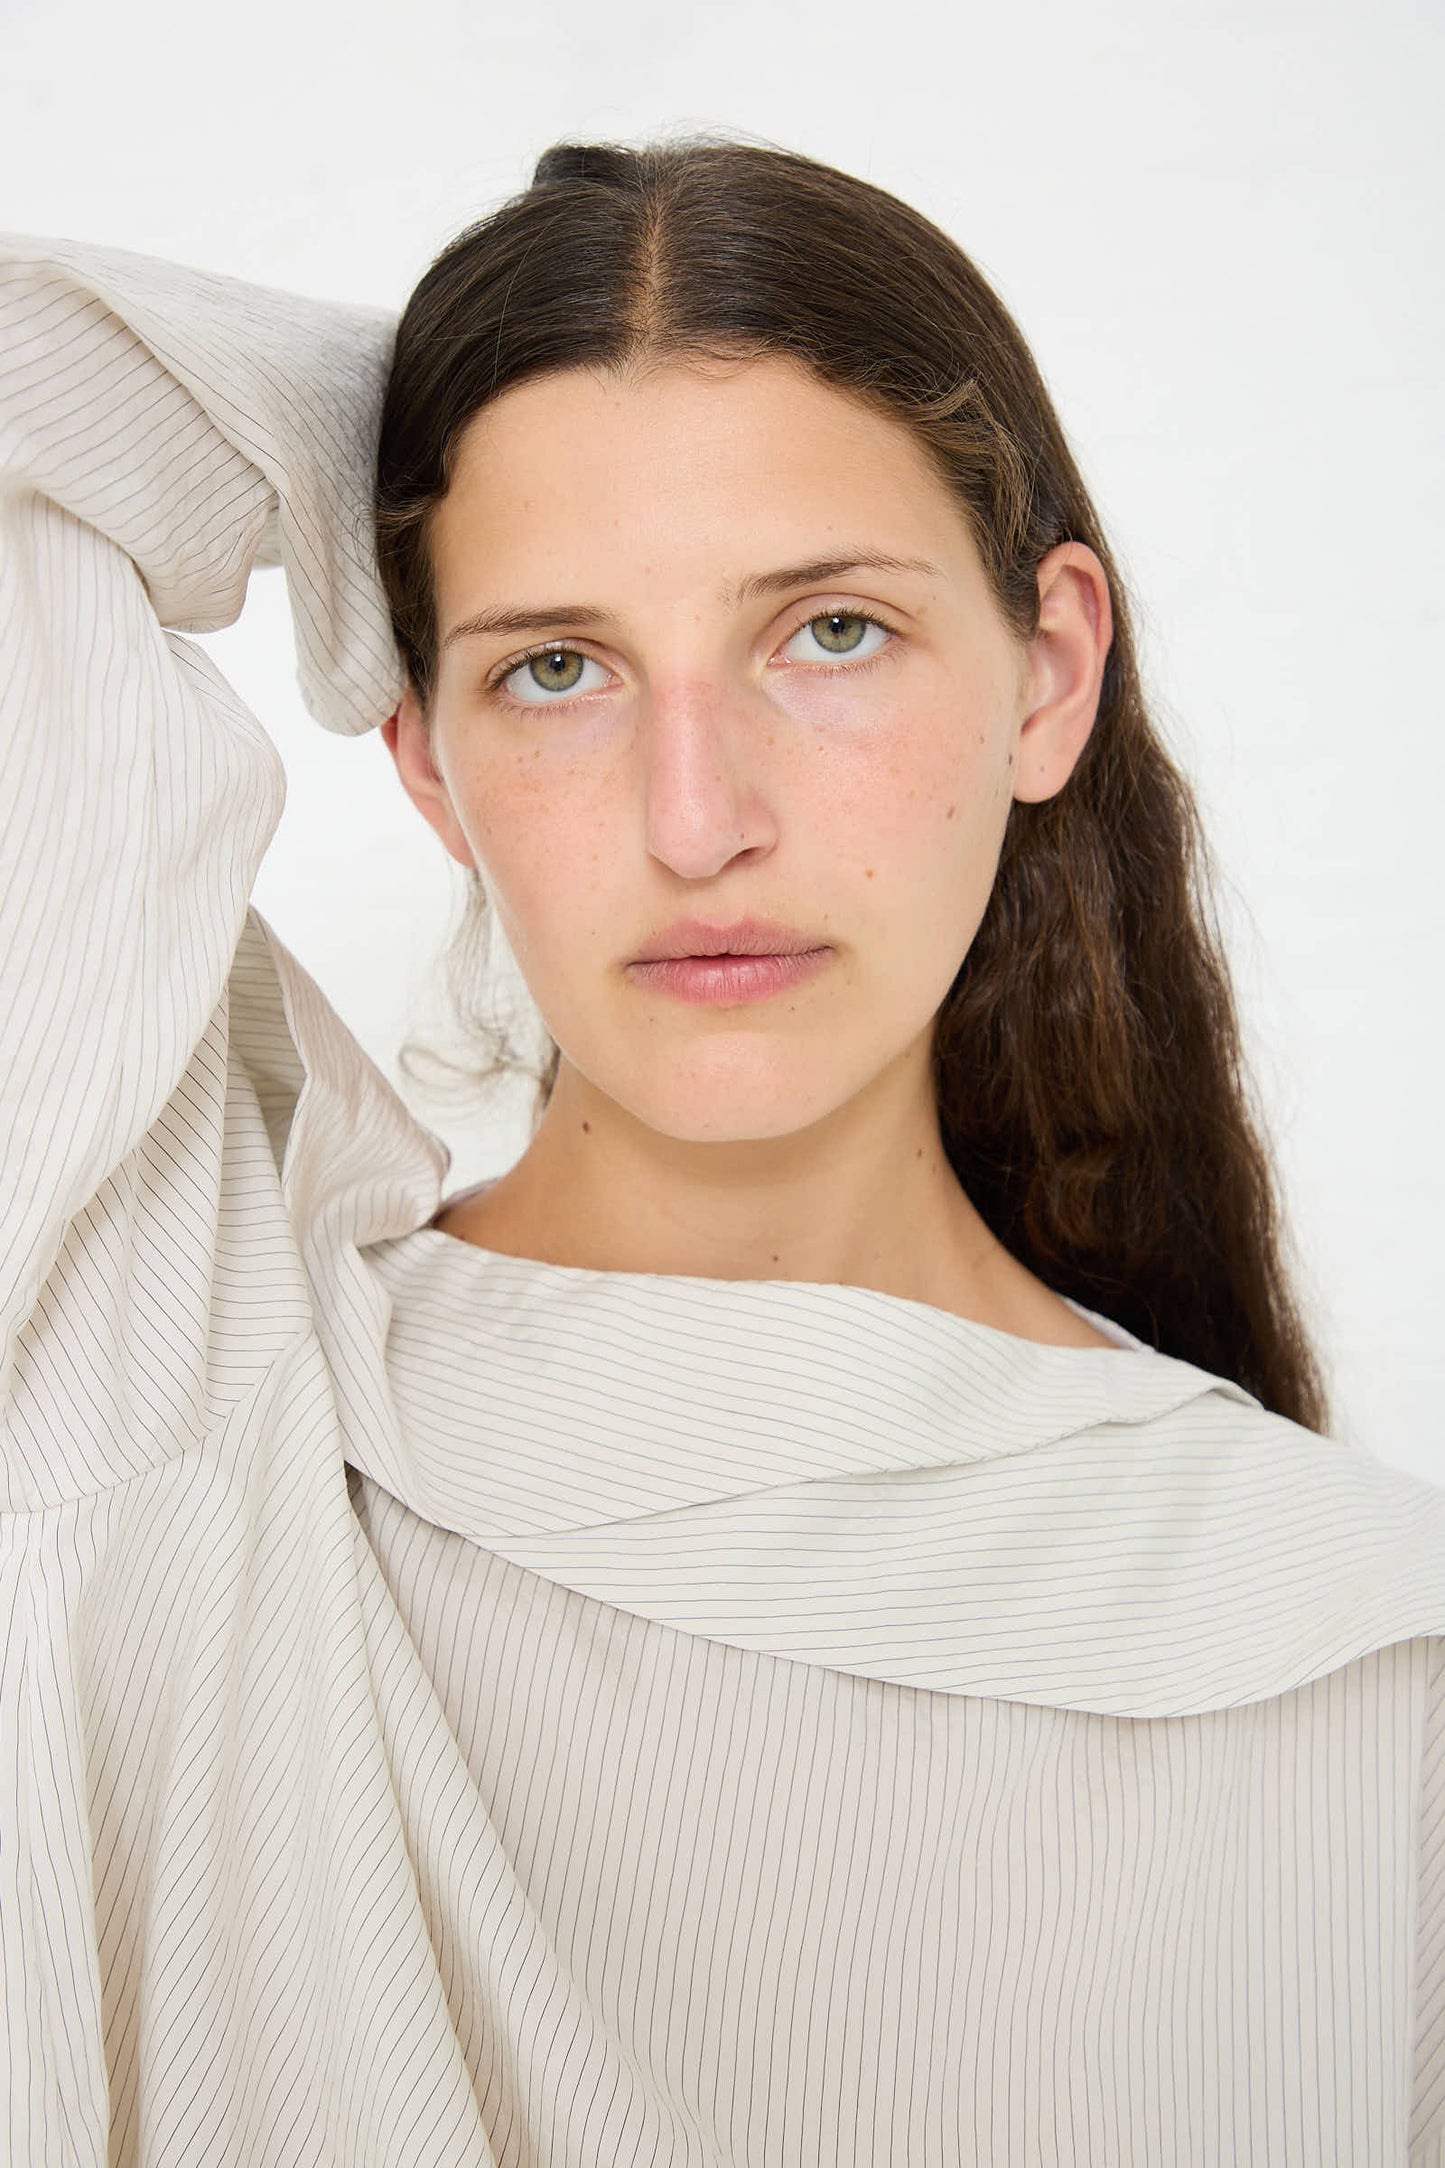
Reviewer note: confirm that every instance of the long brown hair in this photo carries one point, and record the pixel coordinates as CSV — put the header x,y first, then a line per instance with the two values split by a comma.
x,y
1091,1088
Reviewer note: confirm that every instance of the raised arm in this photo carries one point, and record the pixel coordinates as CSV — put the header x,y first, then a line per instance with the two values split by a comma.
x,y
162,431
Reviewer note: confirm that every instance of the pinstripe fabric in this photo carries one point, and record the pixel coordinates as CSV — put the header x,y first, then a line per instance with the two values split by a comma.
x,y
459,1710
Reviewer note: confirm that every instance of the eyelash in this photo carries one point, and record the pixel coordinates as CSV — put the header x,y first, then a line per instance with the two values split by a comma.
x,y
499,677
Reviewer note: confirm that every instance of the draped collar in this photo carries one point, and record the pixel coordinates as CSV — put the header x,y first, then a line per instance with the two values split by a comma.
x,y
853,1479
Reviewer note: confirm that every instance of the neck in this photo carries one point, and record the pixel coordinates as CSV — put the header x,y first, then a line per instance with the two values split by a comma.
x,y
866,1198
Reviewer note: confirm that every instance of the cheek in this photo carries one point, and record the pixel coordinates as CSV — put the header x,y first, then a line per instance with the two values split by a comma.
x,y
538,834
924,841
934,802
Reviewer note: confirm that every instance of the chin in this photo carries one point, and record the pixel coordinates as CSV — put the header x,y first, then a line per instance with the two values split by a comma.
x,y
725,1089
731,1113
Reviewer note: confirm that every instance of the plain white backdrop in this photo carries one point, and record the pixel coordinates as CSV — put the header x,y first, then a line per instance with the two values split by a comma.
x,y
1220,230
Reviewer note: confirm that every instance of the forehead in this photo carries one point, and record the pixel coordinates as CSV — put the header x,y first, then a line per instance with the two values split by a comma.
x,y
692,459
772,391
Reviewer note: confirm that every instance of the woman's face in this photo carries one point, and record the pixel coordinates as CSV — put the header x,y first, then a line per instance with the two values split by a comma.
x,y
729,711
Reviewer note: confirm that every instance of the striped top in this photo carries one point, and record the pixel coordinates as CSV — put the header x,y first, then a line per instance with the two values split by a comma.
x,y
456,1709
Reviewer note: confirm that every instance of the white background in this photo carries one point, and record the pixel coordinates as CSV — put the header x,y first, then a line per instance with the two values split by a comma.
x,y
1220,229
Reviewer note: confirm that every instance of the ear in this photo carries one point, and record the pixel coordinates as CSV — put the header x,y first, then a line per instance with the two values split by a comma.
x,y
408,740
1065,669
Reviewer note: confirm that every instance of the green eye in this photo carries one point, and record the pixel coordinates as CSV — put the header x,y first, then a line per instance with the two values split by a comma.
x,y
546,670
838,642
550,670
841,633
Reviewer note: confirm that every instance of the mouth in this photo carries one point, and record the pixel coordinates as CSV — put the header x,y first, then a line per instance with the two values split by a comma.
x,y
751,936
729,978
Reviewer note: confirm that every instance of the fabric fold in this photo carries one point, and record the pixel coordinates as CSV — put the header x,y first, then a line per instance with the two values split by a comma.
x,y
848,1478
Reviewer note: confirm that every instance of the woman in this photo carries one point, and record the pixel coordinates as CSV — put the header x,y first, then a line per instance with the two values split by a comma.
x,y
713,1647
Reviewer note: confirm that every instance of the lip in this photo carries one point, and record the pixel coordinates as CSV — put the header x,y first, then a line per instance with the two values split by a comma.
x,y
744,937
727,981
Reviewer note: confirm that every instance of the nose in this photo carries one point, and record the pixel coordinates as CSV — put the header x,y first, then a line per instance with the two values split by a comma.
x,y
703,780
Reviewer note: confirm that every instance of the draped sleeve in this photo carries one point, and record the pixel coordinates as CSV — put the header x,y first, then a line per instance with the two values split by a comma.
x,y
207,1895
163,431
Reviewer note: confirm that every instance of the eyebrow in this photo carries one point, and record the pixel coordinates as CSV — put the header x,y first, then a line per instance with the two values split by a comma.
x,y
559,617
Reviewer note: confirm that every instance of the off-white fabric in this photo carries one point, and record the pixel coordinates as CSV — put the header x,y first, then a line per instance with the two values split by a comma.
x,y
456,1709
